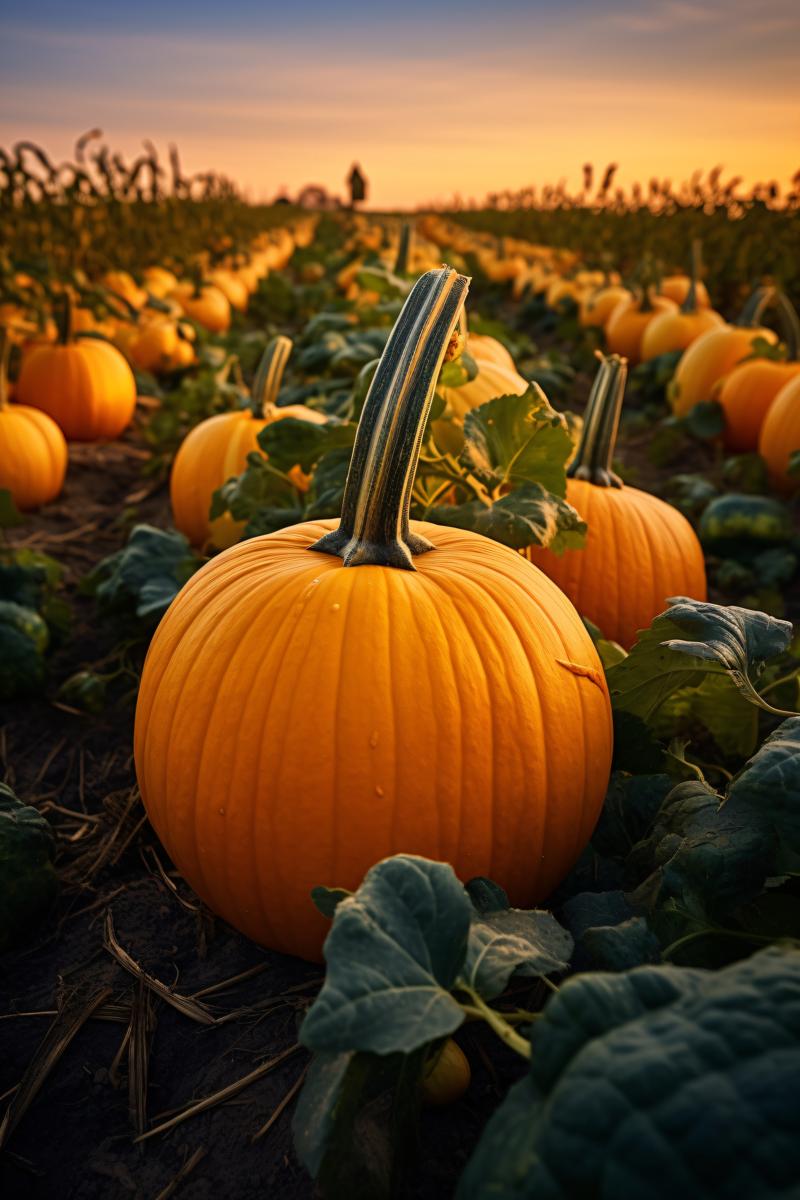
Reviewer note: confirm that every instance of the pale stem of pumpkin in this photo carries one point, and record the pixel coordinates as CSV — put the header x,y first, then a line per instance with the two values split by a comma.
x,y
595,455
269,374
759,299
5,354
496,1022
374,528
790,325
690,303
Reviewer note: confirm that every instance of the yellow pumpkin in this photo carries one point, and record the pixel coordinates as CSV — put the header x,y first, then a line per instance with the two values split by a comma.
x,y
159,281
747,392
489,349
205,304
639,551
629,319
33,453
597,306
717,352
677,288
492,380
232,287
322,697
85,385
780,436
217,449
159,347
124,285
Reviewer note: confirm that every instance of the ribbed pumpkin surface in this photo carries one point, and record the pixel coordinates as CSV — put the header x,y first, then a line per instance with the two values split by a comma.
x,y
298,721
639,551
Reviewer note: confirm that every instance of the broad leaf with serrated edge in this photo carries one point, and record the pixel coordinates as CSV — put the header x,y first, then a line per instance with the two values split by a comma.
x,y
519,439
394,952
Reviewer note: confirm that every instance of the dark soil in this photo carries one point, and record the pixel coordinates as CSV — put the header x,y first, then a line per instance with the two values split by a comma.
x,y
75,1141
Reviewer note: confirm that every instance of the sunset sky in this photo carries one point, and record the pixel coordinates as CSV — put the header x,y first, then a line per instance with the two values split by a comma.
x,y
431,98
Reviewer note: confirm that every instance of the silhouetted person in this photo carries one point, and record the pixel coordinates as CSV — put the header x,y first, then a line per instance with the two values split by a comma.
x,y
357,184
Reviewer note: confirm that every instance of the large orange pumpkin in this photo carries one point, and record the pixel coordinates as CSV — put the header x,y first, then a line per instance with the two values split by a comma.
x,y
33,453
85,385
217,449
639,551
322,697
780,436
717,352
748,391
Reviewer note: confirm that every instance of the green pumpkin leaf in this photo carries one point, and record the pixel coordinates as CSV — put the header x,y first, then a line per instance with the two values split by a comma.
x,y
261,486
146,575
706,420
28,881
394,952
527,516
10,516
719,707
515,440
689,641
513,941
346,1133
292,442
770,783
641,1082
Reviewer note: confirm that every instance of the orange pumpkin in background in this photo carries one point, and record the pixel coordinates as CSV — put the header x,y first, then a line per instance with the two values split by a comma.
x,y
349,671
217,449
716,352
205,304
780,437
597,306
630,318
748,391
639,551
671,331
84,384
125,286
33,453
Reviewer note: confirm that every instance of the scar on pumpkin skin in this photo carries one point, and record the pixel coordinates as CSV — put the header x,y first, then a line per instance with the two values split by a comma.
x,y
577,669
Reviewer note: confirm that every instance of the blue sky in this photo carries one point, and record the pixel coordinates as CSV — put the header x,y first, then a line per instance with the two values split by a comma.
x,y
432,99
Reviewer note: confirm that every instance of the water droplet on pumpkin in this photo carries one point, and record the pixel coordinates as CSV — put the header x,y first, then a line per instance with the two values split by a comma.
x,y
379,790
373,738
335,607
222,812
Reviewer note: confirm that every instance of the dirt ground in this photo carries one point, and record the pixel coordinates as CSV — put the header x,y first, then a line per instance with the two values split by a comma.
x,y
133,1060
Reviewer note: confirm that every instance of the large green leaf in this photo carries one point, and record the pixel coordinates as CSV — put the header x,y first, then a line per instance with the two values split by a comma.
x,y
519,439
512,940
689,641
28,881
291,442
146,574
394,952
643,1082
770,783
719,707
528,516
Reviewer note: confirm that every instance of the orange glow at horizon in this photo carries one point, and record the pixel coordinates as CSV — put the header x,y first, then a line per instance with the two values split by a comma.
x,y
500,121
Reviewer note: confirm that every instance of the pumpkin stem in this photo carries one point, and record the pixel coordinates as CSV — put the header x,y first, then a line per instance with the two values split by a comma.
x,y
64,321
375,527
5,354
401,261
269,373
790,325
595,454
696,266
759,299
